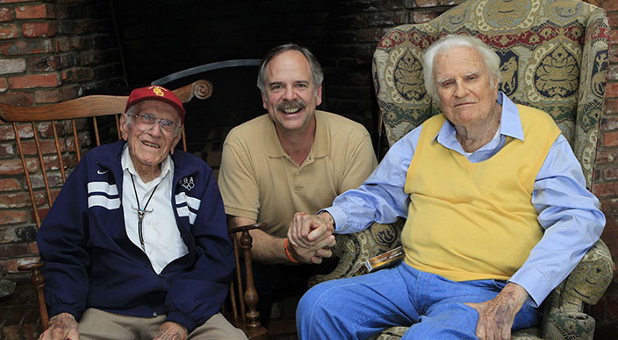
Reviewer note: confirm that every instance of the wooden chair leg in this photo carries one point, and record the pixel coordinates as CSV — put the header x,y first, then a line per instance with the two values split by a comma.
x,y
251,296
38,282
249,321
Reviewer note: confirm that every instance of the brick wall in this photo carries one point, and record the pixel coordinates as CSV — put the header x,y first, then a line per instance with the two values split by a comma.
x,y
606,167
50,51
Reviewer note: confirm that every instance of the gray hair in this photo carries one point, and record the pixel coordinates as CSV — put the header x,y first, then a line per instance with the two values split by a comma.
x,y
317,75
492,60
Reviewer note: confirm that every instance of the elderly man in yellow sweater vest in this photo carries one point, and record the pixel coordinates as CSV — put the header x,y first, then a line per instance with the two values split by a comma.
x,y
497,215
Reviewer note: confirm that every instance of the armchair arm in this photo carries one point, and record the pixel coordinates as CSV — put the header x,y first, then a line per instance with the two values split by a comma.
x,y
586,284
354,249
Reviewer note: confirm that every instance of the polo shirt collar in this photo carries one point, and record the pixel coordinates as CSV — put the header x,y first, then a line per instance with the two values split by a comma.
x,y
320,145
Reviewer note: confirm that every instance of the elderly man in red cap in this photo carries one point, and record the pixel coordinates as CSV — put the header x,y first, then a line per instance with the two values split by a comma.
x,y
135,245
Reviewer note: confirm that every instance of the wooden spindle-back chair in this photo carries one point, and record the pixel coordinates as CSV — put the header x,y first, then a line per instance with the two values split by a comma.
x,y
82,123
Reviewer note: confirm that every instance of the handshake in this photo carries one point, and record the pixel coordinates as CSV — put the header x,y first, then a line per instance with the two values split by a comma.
x,y
310,237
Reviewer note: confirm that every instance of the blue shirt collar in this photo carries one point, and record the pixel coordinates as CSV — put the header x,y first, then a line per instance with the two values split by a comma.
x,y
510,125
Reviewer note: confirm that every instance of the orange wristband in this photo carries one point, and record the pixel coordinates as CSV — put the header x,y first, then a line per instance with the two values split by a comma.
x,y
287,252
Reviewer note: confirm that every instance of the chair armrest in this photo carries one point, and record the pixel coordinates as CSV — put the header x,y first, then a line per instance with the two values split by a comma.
x,y
354,249
586,284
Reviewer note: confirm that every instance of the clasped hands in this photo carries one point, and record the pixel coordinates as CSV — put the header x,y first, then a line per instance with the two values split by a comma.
x,y
311,237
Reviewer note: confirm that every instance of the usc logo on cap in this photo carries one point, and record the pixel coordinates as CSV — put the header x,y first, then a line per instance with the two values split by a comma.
x,y
158,90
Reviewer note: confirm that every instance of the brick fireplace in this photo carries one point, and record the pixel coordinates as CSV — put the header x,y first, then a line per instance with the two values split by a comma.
x,y
55,50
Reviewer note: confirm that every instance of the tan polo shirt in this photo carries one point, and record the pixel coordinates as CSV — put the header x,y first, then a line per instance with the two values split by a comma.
x,y
258,180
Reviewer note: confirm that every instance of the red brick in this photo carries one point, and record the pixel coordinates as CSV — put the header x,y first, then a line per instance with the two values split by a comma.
x,y
11,250
610,139
42,64
46,131
39,29
610,5
7,132
609,205
63,44
5,14
39,11
17,65
47,147
33,81
77,74
34,248
12,264
7,151
9,31
4,85
14,167
13,217
17,98
9,184
609,189
15,200
610,174
611,107
47,96
25,47
611,90
14,1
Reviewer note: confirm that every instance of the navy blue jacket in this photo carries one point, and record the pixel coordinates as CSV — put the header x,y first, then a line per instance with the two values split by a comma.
x,y
90,261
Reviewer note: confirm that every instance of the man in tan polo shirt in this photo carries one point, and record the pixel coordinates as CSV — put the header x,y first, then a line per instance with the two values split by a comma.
x,y
292,159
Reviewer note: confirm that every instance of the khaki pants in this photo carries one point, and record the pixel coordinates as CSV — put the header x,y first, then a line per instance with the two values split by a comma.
x,y
100,325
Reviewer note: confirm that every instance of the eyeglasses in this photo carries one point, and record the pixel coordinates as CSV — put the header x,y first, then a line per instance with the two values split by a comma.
x,y
145,122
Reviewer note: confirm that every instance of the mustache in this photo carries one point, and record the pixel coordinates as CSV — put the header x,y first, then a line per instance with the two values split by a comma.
x,y
291,104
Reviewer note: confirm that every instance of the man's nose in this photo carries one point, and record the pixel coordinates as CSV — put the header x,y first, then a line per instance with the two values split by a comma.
x,y
155,129
460,89
289,93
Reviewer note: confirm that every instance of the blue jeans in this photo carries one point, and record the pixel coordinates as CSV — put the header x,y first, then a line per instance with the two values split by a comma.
x,y
433,307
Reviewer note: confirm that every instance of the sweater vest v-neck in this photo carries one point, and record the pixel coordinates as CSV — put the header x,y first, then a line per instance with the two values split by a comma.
x,y
475,221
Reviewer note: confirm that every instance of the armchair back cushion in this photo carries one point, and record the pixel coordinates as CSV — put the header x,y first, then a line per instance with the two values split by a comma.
x,y
554,56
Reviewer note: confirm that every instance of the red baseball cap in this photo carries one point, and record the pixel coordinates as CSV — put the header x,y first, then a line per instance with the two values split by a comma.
x,y
156,93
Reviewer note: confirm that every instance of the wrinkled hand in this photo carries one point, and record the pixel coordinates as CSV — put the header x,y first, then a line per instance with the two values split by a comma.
x,y
310,237
306,231
62,326
172,331
496,316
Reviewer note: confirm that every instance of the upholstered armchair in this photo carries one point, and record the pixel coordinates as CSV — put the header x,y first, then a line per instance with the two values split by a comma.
x,y
554,57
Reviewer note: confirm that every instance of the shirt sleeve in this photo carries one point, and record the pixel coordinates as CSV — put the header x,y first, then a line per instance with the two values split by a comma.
x,y
237,181
61,241
360,162
381,198
570,215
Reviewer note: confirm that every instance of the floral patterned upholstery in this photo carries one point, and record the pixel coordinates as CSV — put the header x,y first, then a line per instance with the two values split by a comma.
x,y
554,57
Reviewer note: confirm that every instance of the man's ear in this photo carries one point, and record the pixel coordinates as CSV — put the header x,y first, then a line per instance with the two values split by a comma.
x,y
124,126
318,97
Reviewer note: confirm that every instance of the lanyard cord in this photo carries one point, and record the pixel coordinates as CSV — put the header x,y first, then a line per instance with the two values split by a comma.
x,y
141,212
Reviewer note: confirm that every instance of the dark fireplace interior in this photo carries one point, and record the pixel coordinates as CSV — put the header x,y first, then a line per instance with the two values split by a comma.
x,y
158,38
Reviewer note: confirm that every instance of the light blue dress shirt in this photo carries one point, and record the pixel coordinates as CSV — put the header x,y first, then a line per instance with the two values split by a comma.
x,y
568,212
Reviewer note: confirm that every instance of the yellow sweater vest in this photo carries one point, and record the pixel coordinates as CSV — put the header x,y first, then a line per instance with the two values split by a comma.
x,y
475,221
